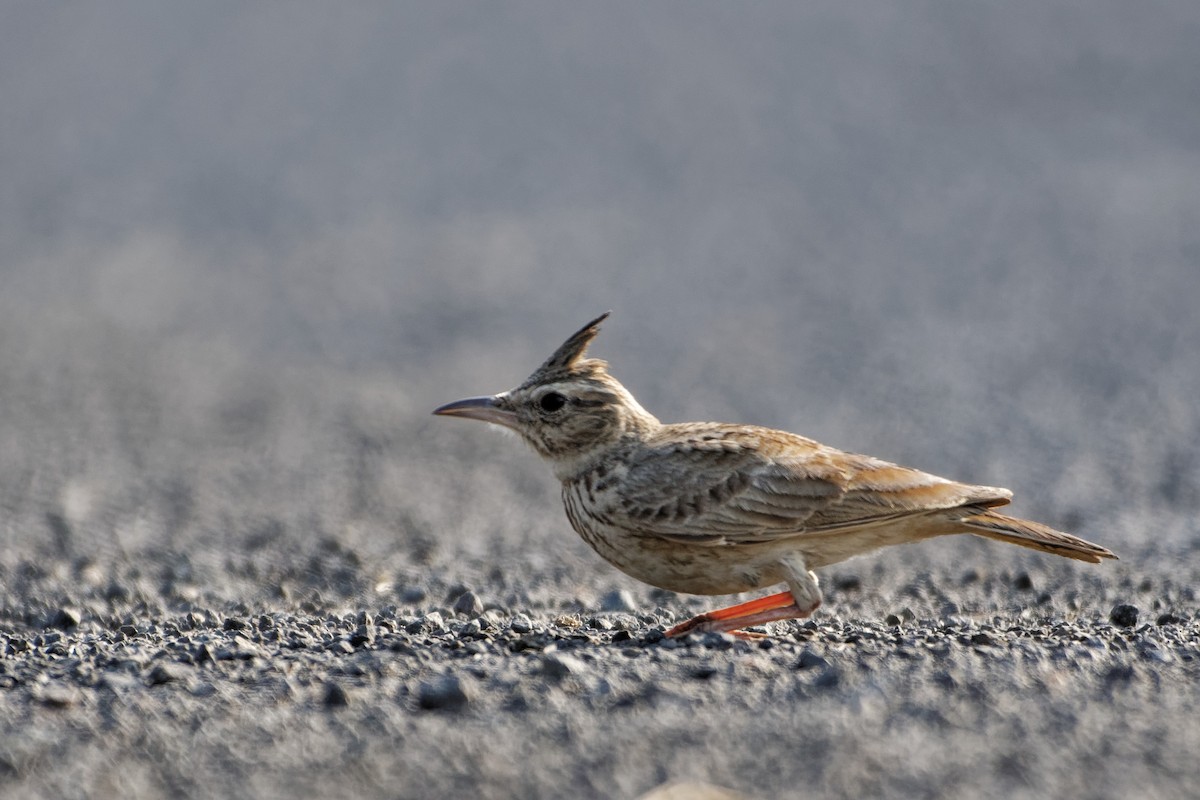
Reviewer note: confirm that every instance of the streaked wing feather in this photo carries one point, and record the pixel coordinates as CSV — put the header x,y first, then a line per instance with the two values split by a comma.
x,y
718,485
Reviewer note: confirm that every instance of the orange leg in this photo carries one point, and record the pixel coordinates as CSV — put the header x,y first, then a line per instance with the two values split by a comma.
x,y
754,612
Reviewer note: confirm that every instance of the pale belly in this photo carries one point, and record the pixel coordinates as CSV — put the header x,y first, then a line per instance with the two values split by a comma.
x,y
680,567
683,568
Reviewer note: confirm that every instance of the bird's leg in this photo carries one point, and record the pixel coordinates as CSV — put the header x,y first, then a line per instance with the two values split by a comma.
x,y
801,600
802,582
755,612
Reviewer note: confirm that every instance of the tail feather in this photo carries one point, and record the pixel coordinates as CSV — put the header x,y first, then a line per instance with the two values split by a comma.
x,y
1034,535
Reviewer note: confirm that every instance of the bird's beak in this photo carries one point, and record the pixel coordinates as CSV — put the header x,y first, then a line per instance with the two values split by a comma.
x,y
485,409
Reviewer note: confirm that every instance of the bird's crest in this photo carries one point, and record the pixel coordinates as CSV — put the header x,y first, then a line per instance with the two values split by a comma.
x,y
568,359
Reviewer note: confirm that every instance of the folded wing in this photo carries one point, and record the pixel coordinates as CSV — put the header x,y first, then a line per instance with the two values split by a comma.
x,y
717,484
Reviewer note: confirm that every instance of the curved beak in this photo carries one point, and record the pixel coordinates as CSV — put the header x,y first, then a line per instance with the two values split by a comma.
x,y
484,409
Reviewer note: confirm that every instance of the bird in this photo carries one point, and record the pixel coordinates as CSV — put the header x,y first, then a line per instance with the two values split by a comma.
x,y
714,508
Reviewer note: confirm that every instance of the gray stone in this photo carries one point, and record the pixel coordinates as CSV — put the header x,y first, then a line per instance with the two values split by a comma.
x,y
559,665
1124,615
363,635
334,696
65,617
167,672
468,604
413,595
810,660
444,693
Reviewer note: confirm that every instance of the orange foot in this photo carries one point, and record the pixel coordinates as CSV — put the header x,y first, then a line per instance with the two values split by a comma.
x,y
771,608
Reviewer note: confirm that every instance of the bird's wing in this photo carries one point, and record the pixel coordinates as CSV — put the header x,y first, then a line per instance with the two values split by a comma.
x,y
717,484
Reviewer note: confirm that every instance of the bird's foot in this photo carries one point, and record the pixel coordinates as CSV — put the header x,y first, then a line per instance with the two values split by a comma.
x,y
732,620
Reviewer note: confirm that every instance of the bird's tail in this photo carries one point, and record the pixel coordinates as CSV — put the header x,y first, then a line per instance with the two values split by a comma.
x,y
1034,535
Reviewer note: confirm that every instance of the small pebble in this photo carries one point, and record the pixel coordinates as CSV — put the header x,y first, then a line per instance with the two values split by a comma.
x,y
810,660
445,693
847,583
718,641
559,666
468,604
363,635
167,672
334,696
65,617
240,649
413,595
1124,615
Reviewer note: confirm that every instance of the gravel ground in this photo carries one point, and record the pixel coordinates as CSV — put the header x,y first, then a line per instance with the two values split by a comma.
x,y
912,682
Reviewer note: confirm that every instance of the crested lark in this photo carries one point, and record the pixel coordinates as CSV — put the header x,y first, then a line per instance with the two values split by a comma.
x,y
710,508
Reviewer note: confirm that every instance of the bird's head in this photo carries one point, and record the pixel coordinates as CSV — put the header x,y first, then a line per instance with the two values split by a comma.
x,y
569,410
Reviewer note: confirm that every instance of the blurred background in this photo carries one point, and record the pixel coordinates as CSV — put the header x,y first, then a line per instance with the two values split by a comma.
x,y
247,248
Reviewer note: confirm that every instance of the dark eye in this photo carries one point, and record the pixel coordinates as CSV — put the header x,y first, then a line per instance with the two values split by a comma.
x,y
552,401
